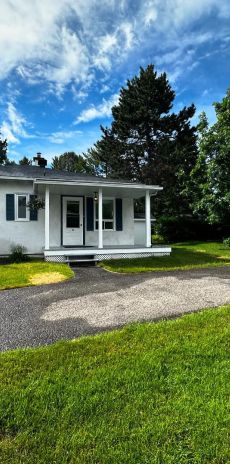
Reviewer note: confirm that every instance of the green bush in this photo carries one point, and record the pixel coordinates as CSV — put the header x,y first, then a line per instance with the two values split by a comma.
x,y
182,228
157,239
17,254
226,242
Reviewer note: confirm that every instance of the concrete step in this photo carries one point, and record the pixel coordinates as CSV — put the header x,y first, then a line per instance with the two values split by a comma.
x,y
81,259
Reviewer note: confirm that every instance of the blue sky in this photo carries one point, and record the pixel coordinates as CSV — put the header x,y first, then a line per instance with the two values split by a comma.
x,y
64,61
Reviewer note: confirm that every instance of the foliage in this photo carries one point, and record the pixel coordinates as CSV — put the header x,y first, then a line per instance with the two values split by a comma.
x,y
70,161
157,239
226,242
36,204
184,256
17,254
180,228
3,150
149,393
25,161
147,142
211,175
22,275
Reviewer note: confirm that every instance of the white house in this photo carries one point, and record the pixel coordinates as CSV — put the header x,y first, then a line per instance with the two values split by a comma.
x,y
84,217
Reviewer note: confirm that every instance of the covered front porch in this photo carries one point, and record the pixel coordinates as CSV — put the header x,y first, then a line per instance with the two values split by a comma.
x,y
90,221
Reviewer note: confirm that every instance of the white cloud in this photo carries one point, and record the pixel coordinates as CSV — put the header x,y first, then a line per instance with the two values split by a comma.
x,y
104,88
113,47
14,125
7,133
61,136
150,14
97,112
65,41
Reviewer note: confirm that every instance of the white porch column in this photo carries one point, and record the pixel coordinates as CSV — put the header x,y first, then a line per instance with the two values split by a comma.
x,y
100,229
47,217
147,219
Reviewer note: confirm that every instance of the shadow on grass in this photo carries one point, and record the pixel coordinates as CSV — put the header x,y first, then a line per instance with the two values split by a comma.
x,y
181,258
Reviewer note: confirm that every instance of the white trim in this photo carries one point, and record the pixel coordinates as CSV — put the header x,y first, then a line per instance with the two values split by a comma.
x,y
100,209
106,220
39,180
94,250
97,183
77,230
47,217
16,196
17,178
143,220
147,219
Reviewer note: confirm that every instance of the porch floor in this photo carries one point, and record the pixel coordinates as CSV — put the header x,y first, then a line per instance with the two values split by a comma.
x,y
97,254
106,247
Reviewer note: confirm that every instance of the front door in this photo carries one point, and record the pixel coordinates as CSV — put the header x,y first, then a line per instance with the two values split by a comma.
x,y
72,221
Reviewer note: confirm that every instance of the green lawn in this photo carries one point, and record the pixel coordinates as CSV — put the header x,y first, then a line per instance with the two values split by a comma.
x,y
146,394
32,273
186,255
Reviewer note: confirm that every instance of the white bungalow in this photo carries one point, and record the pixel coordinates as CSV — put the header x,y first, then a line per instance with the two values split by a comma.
x,y
84,217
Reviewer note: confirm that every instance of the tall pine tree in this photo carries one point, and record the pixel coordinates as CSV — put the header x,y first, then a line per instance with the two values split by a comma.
x,y
70,161
3,151
149,143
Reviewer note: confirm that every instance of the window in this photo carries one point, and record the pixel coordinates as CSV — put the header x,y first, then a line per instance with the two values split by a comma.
x,y
22,211
72,214
107,214
139,208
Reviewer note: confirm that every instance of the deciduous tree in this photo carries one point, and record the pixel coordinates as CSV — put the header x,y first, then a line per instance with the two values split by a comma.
x,y
212,171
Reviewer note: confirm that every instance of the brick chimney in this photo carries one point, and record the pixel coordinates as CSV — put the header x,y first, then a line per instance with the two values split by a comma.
x,y
39,160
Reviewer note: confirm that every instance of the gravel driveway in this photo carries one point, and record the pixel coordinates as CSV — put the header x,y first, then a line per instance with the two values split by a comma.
x,y
97,300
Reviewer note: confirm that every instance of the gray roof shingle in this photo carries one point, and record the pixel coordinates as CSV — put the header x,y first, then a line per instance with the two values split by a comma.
x,y
34,172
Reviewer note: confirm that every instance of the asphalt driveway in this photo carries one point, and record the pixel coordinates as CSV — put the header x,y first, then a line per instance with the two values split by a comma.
x,y
96,300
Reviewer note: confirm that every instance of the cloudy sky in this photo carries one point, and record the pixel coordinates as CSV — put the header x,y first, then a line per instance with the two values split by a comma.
x,y
64,61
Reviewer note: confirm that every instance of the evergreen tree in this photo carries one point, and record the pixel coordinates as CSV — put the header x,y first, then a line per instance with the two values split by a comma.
x,y
25,161
70,161
3,151
149,143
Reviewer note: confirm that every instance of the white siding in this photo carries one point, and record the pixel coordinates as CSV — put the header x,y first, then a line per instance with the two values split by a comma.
x,y
139,232
124,237
29,234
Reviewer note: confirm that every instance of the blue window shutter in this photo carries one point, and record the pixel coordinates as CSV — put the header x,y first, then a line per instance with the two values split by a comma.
x,y
89,214
10,214
33,212
119,222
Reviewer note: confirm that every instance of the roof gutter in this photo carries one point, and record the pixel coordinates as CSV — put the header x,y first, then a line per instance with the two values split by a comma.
x,y
97,184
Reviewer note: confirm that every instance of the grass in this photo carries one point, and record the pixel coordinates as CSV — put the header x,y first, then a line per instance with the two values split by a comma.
x,y
186,255
32,273
146,394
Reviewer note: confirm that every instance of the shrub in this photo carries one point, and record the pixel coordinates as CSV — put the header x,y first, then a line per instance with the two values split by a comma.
x,y
182,228
226,242
157,239
17,254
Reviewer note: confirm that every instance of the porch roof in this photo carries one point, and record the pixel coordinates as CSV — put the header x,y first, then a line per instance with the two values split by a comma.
x,y
47,176
97,183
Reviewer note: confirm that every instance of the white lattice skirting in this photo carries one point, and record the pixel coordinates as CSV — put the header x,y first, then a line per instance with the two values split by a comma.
x,y
56,259
102,257
128,255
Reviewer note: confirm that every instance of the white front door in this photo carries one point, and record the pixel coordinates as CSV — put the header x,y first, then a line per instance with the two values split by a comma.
x,y
72,221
